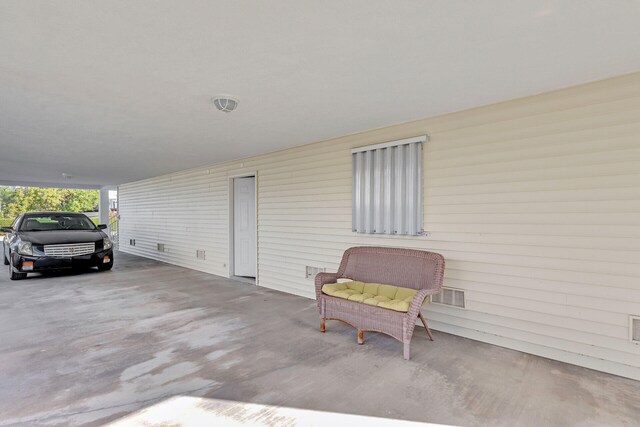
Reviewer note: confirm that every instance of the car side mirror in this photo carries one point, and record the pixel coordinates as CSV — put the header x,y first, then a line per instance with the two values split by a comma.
x,y
102,226
7,229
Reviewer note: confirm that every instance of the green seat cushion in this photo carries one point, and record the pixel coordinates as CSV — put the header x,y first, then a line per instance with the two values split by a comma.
x,y
385,296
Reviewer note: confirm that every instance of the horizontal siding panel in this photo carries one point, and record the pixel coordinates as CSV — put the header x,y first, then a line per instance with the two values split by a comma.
x,y
534,203
544,309
466,279
547,123
522,343
612,180
590,151
570,242
537,334
496,174
268,192
631,219
564,293
494,147
552,319
532,228
511,144
295,199
557,252
548,196
559,207
614,280
553,304
307,180
601,92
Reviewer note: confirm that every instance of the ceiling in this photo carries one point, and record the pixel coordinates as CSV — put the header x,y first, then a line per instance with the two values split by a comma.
x,y
117,91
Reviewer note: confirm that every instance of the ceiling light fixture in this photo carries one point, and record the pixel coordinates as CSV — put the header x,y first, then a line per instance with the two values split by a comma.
x,y
225,103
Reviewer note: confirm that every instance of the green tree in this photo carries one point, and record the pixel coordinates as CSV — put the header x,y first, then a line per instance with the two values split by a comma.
x,y
22,199
6,196
80,200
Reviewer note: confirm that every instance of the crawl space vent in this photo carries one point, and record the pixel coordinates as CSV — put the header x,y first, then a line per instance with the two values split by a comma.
x,y
161,247
201,254
132,242
635,329
449,296
312,272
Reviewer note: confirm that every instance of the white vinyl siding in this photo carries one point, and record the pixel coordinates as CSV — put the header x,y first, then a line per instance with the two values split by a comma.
x,y
535,204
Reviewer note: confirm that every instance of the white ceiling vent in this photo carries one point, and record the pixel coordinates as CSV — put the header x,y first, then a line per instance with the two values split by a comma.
x,y
634,329
449,296
225,103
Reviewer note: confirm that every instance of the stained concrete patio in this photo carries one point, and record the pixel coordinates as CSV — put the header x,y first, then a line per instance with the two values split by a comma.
x,y
94,347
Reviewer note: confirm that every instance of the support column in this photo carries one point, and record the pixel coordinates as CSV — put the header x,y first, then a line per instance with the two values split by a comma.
x,y
103,205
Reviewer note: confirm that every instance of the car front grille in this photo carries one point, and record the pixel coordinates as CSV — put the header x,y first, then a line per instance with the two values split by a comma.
x,y
73,249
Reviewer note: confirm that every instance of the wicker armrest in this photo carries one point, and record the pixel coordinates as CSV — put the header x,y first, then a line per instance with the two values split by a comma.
x,y
323,278
418,300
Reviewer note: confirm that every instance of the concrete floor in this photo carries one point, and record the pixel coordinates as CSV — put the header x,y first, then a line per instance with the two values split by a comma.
x,y
94,347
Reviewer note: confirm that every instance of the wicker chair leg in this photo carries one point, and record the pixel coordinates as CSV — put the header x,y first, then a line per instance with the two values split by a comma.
x,y
406,341
322,325
424,322
360,337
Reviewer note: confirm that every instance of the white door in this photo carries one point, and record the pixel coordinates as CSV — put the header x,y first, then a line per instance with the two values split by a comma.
x,y
244,226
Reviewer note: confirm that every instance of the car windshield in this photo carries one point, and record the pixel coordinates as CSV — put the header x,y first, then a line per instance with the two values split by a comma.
x,y
49,222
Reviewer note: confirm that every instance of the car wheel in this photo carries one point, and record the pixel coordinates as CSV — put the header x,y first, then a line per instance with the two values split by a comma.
x,y
16,276
105,267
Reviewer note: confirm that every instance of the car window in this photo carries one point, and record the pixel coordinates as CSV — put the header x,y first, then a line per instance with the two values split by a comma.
x,y
52,222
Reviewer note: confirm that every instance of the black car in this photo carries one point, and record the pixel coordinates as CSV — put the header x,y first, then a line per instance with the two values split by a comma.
x,y
44,241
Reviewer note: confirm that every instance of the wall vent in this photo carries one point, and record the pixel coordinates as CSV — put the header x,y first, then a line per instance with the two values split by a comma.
x,y
161,247
449,296
311,272
201,254
132,242
634,329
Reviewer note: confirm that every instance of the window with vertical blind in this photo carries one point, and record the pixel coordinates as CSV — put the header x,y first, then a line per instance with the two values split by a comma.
x,y
387,187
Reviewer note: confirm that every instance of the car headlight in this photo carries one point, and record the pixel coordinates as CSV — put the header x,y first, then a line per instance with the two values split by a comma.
x,y
106,243
24,248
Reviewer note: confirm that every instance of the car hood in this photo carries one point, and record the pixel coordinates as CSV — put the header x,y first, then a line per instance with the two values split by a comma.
x,y
61,237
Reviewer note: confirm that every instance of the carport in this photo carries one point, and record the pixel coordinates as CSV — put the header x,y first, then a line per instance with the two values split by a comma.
x,y
251,144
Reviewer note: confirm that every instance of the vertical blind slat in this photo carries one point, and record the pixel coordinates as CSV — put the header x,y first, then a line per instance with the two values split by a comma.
x,y
378,193
355,192
387,190
368,169
399,194
419,190
410,175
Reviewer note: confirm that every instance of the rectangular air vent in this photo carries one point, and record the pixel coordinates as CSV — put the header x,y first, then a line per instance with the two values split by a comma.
x,y
449,296
132,242
161,247
634,329
311,272
201,254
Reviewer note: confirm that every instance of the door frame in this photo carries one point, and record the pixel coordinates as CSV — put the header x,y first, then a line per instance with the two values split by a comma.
x,y
230,198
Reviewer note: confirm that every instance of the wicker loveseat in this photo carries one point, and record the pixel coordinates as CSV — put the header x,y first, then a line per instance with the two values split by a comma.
x,y
368,303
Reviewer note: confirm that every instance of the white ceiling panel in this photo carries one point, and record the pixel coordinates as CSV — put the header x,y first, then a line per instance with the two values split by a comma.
x,y
115,91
